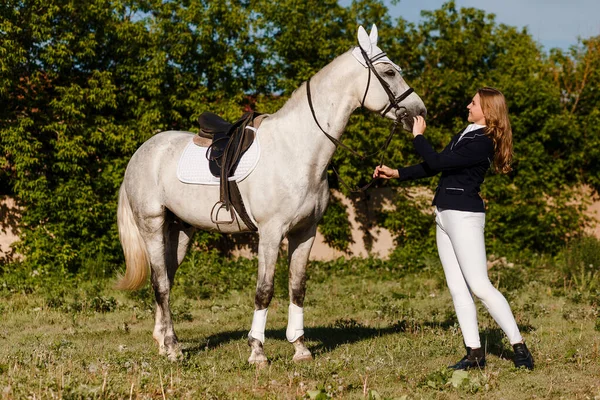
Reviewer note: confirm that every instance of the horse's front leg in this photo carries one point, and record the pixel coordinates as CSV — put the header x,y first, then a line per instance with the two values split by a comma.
x,y
268,249
300,243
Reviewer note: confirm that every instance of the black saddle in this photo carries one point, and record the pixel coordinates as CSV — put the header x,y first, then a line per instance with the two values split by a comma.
x,y
211,124
229,143
234,138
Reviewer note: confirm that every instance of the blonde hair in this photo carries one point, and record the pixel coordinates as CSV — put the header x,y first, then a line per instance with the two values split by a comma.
x,y
495,111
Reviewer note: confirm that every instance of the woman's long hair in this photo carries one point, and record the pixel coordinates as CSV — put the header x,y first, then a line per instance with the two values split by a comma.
x,y
495,111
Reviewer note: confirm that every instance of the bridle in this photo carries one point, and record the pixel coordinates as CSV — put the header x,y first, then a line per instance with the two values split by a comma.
x,y
394,103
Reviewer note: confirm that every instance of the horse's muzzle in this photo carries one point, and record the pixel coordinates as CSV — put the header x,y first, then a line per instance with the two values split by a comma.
x,y
402,113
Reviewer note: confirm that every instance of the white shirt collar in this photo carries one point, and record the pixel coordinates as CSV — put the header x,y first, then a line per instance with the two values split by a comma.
x,y
470,128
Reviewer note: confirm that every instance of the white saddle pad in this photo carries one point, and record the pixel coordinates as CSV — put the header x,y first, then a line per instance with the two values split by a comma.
x,y
193,165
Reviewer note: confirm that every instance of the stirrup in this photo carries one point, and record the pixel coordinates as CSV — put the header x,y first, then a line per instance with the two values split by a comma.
x,y
214,215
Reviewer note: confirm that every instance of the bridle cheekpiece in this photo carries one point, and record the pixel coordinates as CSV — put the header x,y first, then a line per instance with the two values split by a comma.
x,y
370,61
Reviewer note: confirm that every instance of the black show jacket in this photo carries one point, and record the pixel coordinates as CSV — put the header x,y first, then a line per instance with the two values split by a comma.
x,y
463,165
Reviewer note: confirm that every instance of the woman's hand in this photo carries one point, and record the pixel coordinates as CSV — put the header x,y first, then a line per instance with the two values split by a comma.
x,y
419,126
385,172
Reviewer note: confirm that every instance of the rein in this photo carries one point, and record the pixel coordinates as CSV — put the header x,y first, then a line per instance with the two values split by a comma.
x,y
394,103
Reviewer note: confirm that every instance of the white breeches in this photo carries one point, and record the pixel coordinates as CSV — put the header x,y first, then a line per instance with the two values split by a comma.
x,y
461,246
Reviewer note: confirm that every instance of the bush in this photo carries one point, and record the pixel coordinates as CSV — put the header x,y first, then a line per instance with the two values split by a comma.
x,y
580,264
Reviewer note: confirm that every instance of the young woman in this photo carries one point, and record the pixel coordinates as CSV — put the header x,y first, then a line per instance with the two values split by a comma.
x,y
460,216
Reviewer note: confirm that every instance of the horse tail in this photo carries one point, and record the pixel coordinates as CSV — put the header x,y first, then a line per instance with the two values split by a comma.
x,y
134,248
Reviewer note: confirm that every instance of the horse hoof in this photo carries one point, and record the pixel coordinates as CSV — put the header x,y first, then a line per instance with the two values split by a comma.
x,y
298,358
260,360
174,353
259,364
175,356
305,358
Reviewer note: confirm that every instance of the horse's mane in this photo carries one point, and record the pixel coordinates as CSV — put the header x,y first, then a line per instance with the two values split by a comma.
x,y
299,94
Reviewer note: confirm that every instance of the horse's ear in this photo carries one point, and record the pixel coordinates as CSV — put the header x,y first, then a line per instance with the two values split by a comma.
x,y
363,40
373,35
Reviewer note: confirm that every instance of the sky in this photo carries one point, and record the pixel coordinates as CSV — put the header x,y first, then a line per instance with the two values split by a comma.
x,y
551,23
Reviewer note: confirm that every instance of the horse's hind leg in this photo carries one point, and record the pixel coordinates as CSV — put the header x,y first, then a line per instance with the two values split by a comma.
x,y
166,247
268,250
300,243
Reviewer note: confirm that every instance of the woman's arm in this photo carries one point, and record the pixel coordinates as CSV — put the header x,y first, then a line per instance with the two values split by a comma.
x,y
466,155
417,171
471,153
404,174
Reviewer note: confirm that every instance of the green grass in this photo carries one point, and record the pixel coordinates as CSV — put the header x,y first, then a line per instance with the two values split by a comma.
x,y
375,332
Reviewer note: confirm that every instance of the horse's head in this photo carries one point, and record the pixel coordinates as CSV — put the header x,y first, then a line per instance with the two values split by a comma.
x,y
386,91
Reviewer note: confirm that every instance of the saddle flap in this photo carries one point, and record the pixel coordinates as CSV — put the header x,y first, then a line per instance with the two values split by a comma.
x,y
202,141
215,152
238,143
226,142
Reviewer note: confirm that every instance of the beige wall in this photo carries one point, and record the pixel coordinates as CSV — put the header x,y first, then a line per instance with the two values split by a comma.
x,y
594,211
8,225
382,240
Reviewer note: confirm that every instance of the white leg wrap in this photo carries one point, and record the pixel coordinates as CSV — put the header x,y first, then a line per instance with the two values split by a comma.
x,y
295,327
259,321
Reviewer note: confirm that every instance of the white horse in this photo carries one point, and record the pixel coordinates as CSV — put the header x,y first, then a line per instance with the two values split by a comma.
x,y
285,195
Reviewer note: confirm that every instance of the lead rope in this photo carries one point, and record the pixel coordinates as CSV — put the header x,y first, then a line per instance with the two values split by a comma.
x,y
364,188
334,140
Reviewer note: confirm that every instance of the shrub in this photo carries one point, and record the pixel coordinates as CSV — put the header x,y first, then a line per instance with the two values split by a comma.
x,y
581,262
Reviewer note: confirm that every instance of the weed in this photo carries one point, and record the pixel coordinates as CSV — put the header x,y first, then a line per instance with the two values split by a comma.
x,y
580,264
437,379
505,275
347,323
182,312
319,394
103,304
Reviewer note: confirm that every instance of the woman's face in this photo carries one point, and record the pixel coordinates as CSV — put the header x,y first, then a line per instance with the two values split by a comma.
x,y
475,112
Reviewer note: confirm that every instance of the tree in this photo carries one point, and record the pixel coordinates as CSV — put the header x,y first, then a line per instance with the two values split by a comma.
x,y
83,84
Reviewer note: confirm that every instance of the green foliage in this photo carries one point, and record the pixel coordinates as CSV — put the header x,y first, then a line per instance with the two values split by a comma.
x,y
318,394
413,224
83,84
581,262
204,275
335,227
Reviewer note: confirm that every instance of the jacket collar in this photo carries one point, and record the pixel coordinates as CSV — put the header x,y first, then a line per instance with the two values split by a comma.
x,y
455,143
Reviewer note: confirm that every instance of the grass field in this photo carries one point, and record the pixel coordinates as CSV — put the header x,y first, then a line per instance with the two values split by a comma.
x,y
375,332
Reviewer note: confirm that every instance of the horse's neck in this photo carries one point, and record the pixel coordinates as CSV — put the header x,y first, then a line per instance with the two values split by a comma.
x,y
333,101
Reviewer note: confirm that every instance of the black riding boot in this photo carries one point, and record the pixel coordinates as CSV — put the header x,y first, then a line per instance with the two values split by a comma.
x,y
475,358
523,357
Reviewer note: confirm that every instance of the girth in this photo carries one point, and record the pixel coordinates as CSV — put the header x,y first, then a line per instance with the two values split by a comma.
x,y
226,144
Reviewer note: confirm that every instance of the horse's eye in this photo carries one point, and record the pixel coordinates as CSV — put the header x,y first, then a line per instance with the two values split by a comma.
x,y
390,72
